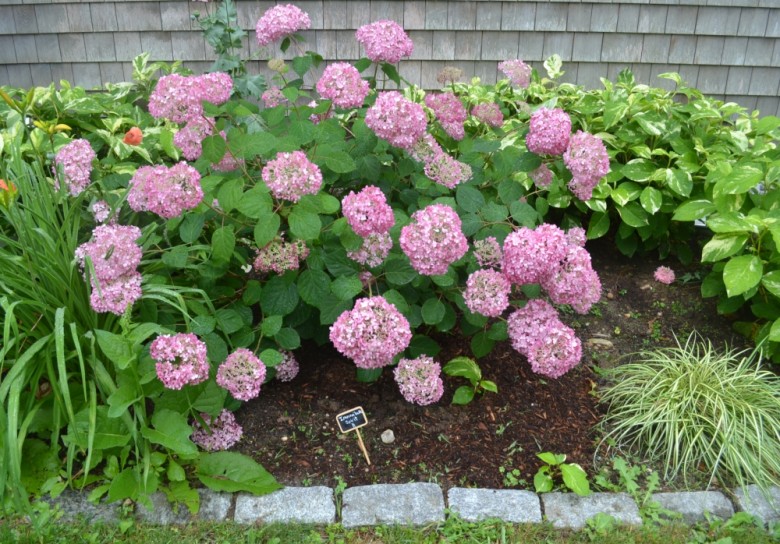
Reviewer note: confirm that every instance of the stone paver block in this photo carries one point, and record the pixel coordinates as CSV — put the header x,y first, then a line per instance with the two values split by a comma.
x,y
74,505
213,507
392,504
510,505
750,499
291,504
693,504
570,511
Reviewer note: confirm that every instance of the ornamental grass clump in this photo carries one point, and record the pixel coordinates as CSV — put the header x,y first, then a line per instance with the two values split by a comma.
x,y
694,408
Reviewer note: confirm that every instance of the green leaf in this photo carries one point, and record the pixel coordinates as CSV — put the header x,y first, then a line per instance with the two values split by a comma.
x,y
368,375
338,161
391,72
651,199
288,339
249,146
230,194
742,274
398,271
728,223
433,311
463,395
575,479
469,198
279,297
202,324
551,458
626,192
170,430
223,241
598,225
494,212
122,398
346,287
313,286
229,320
543,483
487,385
304,224
266,229
614,110
271,325
679,181
740,180
231,472
464,367
633,215
213,148
524,214
116,348
771,281
774,332
527,162
638,169
722,246
302,64
180,492
191,227
481,344
124,485
693,210
271,357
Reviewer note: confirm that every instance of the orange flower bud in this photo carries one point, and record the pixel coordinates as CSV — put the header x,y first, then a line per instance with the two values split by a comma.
x,y
134,136
7,193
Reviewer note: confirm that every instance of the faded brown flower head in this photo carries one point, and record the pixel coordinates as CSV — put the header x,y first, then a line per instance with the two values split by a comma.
x,y
449,74
277,65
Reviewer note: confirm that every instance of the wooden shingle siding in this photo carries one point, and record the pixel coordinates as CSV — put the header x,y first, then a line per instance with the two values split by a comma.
x,y
727,48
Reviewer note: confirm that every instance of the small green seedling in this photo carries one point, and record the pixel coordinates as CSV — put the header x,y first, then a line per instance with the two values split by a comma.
x,y
469,369
574,477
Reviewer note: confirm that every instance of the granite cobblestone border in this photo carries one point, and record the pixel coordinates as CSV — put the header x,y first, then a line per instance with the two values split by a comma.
x,y
420,504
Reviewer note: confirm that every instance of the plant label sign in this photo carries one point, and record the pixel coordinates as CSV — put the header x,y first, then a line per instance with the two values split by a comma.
x,y
352,420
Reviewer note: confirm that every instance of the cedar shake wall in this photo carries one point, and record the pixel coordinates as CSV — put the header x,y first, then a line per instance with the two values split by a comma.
x,y
727,48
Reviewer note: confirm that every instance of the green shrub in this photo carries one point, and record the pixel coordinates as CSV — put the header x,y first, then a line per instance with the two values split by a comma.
x,y
692,407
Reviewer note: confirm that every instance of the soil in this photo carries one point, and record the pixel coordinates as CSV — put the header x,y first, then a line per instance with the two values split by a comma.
x,y
492,442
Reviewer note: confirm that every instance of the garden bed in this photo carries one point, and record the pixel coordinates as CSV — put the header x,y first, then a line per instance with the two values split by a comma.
x,y
291,428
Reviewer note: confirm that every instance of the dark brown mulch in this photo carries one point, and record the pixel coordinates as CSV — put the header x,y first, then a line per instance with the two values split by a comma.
x,y
291,428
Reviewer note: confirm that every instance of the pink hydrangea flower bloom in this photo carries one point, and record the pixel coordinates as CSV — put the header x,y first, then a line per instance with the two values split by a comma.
x,y
489,113
180,360
273,97
112,251
242,374
190,137
588,161
179,98
518,72
397,119
487,292
488,252
292,175
449,111
445,170
75,160
419,380
367,211
434,239
577,236
100,211
288,369
372,333
374,250
279,256
542,176
168,192
223,432
116,295
384,41
531,254
341,84
280,21
574,281
556,352
664,274
549,131
531,322
425,149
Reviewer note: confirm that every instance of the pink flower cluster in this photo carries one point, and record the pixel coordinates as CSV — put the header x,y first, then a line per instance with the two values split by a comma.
x,y
434,239
445,170
242,374
549,131
489,113
664,274
273,97
341,83
190,137
384,41
588,161
165,191
551,347
450,113
419,380
372,333
287,370
180,360
222,432
279,256
280,21
487,292
75,160
488,252
518,72
367,211
292,175
180,98
100,211
547,256
114,257
542,176
374,250
397,119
